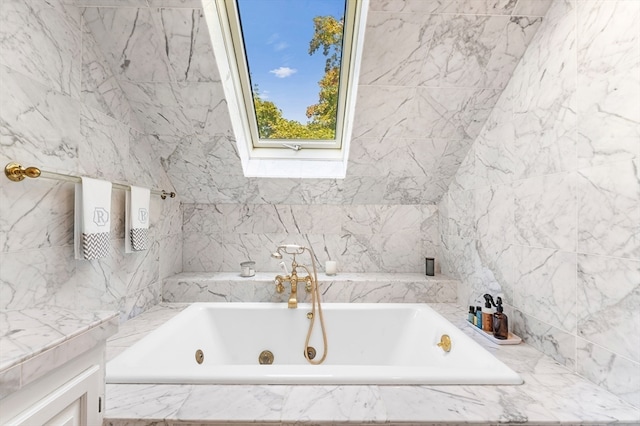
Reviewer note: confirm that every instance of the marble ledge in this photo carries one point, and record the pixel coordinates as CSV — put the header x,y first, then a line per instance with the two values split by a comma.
x,y
33,342
340,288
551,394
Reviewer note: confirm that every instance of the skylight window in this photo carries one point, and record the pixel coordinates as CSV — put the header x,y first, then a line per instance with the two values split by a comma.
x,y
289,70
290,56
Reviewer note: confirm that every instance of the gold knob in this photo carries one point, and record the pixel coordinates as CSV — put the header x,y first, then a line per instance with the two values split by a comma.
x,y
445,342
310,315
279,288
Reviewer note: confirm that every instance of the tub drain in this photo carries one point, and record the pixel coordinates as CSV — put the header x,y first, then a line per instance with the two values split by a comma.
x,y
265,358
199,356
311,352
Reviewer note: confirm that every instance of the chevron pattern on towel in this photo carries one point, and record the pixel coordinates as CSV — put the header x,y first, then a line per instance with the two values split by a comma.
x,y
96,246
139,239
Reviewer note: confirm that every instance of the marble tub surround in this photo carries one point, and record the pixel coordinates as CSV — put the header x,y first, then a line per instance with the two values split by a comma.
x,y
361,238
342,288
63,110
34,342
545,208
551,394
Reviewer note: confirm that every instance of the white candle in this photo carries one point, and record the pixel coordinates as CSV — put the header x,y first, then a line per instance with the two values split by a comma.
x,y
331,267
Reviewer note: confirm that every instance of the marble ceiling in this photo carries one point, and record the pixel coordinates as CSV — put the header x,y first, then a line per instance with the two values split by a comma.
x,y
432,71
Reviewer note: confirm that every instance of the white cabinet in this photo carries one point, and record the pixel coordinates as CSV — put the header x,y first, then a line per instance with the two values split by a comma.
x,y
71,395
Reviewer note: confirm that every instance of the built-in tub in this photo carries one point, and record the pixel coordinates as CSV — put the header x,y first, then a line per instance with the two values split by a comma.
x,y
368,343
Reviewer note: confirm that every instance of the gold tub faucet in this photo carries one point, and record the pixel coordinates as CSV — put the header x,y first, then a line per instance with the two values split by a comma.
x,y
293,279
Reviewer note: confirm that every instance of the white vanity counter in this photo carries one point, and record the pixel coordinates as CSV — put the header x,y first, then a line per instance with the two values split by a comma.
x,y
52,364
551,394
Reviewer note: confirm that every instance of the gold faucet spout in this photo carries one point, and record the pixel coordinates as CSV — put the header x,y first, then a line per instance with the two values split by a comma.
x,y
293,297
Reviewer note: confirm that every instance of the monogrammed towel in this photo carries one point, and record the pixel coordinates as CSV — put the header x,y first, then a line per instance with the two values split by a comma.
x,y
137,219
92,219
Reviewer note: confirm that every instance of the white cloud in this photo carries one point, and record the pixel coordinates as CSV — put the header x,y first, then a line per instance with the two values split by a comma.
x,y
283,72
280,46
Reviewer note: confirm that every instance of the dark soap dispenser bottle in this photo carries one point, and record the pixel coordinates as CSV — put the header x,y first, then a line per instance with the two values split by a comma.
x,y
500,322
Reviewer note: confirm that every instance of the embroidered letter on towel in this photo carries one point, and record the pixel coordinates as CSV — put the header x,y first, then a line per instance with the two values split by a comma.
x,y
92,219
137,219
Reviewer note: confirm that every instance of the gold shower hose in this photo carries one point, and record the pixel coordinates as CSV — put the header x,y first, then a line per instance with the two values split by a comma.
x,y
315,300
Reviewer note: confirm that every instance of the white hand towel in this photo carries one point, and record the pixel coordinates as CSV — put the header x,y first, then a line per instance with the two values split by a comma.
x,y
137,219
92,219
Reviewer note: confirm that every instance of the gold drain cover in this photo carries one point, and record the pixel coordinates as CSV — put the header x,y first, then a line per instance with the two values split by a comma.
x,y
265,358
199,356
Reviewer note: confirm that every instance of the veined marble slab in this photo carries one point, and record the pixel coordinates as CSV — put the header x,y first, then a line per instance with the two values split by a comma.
x,y
551,394
341,288
33,342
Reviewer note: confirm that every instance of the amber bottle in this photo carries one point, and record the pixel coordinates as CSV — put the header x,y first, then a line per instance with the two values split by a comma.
x,y
500,322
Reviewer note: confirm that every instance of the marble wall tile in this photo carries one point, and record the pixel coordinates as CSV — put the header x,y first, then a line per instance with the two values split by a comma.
x,y
40,215
408,157
188,47
203,252
309,219
608,314
399,39
103,151
141,162
555,343
608,210
496,153
137,270
494,273
112,3
354,190
609,370
175,3
37,278
171,253
532,7
100,89
495,213
362,238
157,107
476,50
42,40
38,125
465,177
545,211
141,301
608,83
203,218
545,101
562,141
97,283
480,7
130,43
61,129
419,112
461,208
545,286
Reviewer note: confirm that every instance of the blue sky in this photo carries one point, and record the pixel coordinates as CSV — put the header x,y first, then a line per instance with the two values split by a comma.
x,y
276,36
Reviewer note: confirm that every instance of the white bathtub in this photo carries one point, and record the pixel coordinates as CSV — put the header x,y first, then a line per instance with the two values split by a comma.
x,y
374,343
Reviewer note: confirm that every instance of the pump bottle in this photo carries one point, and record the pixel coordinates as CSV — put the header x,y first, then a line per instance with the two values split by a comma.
x,y
487,313
500,322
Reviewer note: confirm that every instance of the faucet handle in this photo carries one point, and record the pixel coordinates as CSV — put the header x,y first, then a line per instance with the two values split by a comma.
x,y
279,287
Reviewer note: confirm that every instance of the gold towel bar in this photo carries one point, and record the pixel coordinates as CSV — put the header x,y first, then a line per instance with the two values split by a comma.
x,y
16,173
